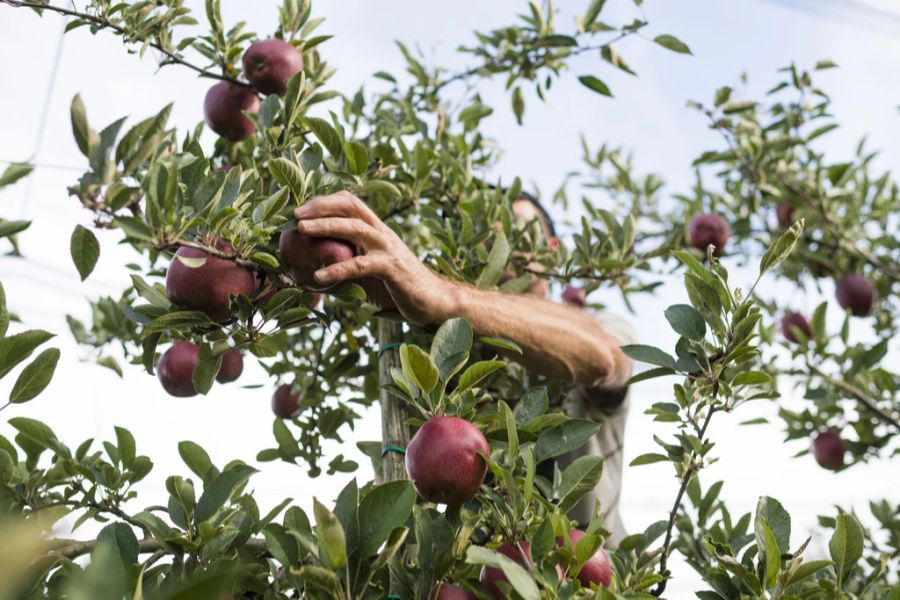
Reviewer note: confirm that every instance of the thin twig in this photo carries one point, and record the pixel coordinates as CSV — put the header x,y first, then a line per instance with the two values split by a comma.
x,y
672,515
858,395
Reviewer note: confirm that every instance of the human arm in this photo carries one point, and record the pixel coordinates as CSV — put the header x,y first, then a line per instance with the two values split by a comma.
x,y
557,341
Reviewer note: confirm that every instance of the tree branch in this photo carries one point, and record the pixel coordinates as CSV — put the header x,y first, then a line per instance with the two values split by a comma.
x,y
693,468
104,23
859,395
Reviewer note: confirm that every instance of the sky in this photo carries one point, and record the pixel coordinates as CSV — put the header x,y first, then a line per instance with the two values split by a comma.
x,y
648,116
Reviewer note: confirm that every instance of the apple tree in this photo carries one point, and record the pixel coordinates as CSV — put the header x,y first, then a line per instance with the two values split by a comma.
x,y
222,275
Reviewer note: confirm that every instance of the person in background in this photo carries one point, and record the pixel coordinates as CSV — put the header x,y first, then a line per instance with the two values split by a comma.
x,y
561,342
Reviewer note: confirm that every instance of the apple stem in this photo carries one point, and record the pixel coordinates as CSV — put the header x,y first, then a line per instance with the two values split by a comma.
x,y
394,412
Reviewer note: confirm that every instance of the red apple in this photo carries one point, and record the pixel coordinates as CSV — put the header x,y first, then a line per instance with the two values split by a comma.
x,y
709,228
444,460
855,293
597,569
303,255
207,288
285,402
828,449
449,591
232,366
793,319
269,64
224,108
490,576
175,369
785,214
574,295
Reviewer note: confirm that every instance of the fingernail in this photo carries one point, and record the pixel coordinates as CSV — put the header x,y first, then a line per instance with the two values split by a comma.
x,y
321,276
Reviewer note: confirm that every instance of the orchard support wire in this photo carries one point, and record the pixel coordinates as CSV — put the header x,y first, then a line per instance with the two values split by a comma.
x,y
394,413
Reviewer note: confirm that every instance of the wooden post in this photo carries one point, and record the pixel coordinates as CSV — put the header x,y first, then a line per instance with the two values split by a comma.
x,y
394,413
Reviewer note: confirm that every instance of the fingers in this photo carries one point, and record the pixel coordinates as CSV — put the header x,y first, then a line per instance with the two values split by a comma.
x,y
353,230
341,204
358,266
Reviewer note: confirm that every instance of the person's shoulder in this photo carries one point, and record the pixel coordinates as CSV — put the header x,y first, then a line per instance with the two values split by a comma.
x,y
617,326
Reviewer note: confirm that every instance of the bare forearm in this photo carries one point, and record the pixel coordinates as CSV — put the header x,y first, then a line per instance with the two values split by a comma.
x,y
557,341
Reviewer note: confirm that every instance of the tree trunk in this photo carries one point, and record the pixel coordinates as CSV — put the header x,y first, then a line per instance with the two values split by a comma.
x,y
394,413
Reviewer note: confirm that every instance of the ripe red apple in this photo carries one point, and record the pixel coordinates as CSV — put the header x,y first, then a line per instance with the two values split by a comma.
x,y
269,64
574,295
232,366
490,576
175,369
709,228
303,255
794,319
443,460
828,449
855,293
449,591
206,288
285,402
785,214
224,108
597,569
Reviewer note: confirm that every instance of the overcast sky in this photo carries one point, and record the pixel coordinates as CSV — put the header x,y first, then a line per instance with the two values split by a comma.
x,y
648,115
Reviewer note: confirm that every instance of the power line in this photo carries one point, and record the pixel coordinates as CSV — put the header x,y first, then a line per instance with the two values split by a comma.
x,y
45,112
852,12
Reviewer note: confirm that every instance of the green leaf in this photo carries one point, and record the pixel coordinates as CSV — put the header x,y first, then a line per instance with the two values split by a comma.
x,y
8,228
271,206
736,106
384,508
592,13
85,250
501,343
496,262
14,172
35,377
533,404
16,348
518,104
519,578
197,460
578,479
176,320
150,293
220,489
450,347
592,83
477,372
331,537
126,446
751,378
846,545
807,569
562,438
686,321
768,548
782,247
281,544
85,137
648,459
649,354
357,157
418,367
289,175
326,134
650,374
123,540
110,363
206,369
380,187
672,43
4,314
